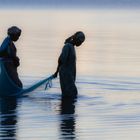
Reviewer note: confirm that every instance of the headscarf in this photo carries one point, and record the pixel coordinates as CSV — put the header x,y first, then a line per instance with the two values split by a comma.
x,y
79,34
14,31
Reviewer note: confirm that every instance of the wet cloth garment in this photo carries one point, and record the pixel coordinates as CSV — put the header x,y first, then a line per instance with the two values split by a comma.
x,y
8,52
67,70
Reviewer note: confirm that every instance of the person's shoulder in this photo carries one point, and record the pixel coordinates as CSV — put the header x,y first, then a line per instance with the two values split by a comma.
x,y
7,40
68,45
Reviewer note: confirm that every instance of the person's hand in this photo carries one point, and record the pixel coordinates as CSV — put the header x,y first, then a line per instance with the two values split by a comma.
x,y
55,74
16,61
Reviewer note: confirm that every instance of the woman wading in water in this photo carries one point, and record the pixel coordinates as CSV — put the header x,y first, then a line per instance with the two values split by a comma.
x,y
67,65
8,54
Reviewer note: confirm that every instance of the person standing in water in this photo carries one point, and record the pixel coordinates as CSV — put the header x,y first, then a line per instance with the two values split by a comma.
x,y
8,54
67,65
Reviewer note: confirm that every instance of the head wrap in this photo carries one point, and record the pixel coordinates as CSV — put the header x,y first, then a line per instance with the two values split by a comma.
x,y
14,31
80,35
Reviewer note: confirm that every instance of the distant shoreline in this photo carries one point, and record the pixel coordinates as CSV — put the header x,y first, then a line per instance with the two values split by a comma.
x,y
17,7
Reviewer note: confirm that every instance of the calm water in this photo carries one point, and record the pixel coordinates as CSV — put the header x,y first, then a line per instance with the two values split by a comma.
x,y
108,77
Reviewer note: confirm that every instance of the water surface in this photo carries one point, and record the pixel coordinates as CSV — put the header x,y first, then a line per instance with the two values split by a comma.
x,y
108,77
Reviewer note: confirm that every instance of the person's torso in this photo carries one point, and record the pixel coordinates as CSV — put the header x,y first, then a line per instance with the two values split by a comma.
x,y
8,49
71,58
69,64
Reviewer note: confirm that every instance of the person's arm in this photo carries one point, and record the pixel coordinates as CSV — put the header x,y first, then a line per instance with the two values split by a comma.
x,y
16,61
13,55
57,70
62,59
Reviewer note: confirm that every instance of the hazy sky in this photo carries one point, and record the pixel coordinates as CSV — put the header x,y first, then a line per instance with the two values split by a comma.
x,y
70,3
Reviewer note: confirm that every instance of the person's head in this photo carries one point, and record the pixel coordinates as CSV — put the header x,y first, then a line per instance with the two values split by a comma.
x,y
77,39
14,33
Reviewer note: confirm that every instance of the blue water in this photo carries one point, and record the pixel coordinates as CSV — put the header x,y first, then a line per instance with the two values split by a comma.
x,y
106,108
108,78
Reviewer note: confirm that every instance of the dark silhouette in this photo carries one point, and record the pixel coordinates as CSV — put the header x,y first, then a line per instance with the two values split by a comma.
x,y
67,65
8,54
67,126
8,118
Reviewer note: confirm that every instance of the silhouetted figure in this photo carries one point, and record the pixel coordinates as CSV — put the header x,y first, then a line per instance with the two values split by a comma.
x,y
67,65
67,126
8,119
8,53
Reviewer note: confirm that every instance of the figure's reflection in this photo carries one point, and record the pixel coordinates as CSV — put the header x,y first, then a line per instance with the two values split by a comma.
x,y
67,125
8,118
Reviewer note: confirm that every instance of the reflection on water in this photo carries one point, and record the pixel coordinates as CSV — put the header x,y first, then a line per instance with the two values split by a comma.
x,y
67,126
106,108
8,119
108,76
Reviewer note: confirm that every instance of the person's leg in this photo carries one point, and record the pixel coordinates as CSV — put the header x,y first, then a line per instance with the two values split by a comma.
x,y
12,72
68,86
